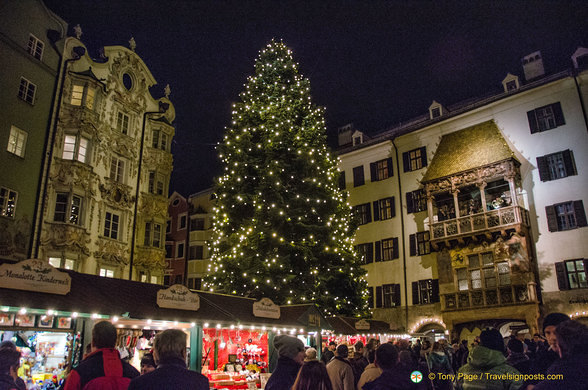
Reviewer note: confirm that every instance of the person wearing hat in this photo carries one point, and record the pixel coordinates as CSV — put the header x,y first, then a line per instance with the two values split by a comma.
x,y
545,358
290,357
340,370
310,355
488,358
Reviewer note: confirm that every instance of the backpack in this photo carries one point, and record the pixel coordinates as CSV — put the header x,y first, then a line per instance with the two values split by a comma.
x,y
113,378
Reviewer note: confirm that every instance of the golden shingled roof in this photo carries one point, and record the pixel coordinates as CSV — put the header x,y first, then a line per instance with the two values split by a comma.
x,y
466,149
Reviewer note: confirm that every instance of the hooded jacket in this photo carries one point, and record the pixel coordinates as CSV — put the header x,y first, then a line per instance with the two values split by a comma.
x,y
484,364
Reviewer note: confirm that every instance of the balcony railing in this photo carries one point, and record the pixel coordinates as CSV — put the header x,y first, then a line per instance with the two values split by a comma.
x,y
501,296
487,221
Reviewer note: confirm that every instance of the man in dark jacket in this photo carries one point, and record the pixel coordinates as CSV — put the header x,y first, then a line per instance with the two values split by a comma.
x,y
394,376
290,358
329,352
9,361
169,352
545,358
102,368
517,357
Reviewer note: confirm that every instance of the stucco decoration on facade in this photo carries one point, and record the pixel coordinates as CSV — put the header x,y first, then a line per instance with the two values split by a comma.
x,y
59,236
111,252
117,193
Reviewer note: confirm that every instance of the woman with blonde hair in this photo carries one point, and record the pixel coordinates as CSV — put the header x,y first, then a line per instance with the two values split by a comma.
x,y
312,376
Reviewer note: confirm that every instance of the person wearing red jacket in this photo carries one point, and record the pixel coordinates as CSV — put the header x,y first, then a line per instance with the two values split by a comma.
x,y
103,367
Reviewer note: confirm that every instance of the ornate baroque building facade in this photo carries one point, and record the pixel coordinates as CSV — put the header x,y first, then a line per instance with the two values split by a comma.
x,y
474,215
104,207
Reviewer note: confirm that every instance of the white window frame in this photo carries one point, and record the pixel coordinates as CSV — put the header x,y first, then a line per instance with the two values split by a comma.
x,y
75,147
106,272
117,169
64,263
27,91
17,142
8,201
156,183
84,98
123,122
35,47
69,208
150,234
159,139
112,227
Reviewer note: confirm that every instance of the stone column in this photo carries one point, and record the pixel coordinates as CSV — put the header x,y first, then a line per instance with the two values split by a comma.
x,y
482,187
513,191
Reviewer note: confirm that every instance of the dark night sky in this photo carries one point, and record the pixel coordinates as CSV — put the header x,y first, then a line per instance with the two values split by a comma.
x,y
373,63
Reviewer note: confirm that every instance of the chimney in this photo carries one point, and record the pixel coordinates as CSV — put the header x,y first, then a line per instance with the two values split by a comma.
x,y
533,66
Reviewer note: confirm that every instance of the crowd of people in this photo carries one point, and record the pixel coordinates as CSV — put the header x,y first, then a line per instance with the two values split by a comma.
x,y
558,359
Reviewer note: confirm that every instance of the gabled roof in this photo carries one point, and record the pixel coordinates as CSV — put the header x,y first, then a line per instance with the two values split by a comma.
x,y
346,325
466,149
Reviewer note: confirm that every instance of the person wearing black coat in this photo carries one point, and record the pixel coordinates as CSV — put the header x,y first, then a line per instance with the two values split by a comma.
x,y
291,357
169,352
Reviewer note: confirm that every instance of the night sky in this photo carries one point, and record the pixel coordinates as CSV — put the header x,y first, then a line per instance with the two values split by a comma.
x,y
371,63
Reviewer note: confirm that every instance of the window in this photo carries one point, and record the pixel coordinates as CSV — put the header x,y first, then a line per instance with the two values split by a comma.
x,y
178,279
7,202
195,283
387,249
82,95
159,140
156,183
370,297
27,90
556,165
364,213
342,184
197,224
168,226
435,112
416,201
122,122
511,85
546,118
365,252
462,279
182,221
152,234
75,147
571,274
35,47
17,141
180,250
358,179
415,159
58,262
420,244
111,225
68,208
196,252
166,280
381,170
117,169
169,251
425,291
106,272
388,295
384,209
565,216
483,273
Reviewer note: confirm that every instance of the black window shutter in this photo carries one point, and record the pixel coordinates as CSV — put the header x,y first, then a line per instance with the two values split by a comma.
x,y
415,293
390,168
424,156
370,253
412,240
562,276
551,218
392,207
580,214
406,161
342,180
376,210
371,297
395,249
373,174
435,297
396,295
410,202
568,157
558,113
369,212
543,169
378,245
532,121
379,296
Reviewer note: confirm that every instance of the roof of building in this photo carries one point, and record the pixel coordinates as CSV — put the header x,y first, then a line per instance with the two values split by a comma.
x,y
462,150
346,325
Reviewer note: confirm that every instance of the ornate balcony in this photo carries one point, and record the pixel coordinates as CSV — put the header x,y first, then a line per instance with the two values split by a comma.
x,y
501,296
502,219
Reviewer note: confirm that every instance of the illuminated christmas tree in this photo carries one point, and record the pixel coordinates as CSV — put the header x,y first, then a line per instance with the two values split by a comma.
x,y
282,227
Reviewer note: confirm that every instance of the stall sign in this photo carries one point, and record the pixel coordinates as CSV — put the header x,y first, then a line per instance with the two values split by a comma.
x,y
34,275
314,319
266,308
178,296
362,325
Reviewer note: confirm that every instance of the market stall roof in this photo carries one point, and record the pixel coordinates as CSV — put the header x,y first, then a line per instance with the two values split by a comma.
x,y
124,298
347,325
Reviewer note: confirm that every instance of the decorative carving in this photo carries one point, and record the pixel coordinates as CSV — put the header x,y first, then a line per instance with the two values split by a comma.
x,y
153,206
112,252
58,236
78,31
117,193
150,258
132,44
167,91
74,174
